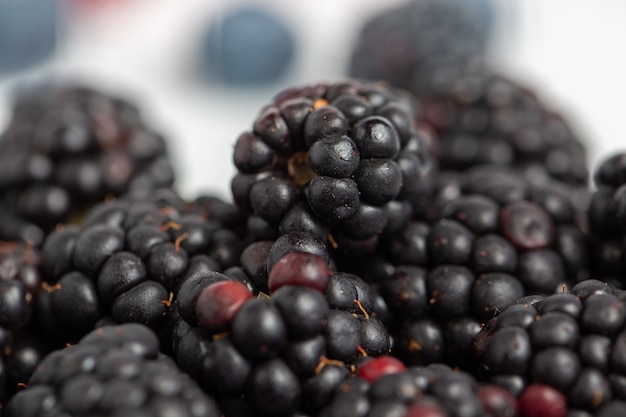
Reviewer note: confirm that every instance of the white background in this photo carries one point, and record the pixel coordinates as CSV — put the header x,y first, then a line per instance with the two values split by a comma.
x,y
572,52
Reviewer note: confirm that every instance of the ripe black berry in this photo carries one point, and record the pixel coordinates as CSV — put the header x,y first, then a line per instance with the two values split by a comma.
x,y
112,370
128,262
66,148
330,158
489,237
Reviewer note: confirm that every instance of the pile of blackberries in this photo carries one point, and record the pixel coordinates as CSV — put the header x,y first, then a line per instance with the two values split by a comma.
x,y
417,252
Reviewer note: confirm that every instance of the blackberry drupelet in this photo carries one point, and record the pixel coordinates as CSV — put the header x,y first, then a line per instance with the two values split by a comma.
x,y
22,342
410,44
572,341
284,351
128,260
434,391
112,371
14,228
20,278
67,147
333,160
489,238
607,219
483,117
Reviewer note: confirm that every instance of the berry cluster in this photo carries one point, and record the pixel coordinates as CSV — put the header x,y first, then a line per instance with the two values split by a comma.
x,y
283,351
490,237
484,117
114,370
335,160
66,148
22,344
388,253
385,387
573,341
128,259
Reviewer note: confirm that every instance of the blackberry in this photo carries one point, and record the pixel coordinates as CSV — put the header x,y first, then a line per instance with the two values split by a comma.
x,y
435,390
65,148
114,370
483,117
571,341
607,219
128,260
413,42
535,230
22,343
283,351
333,159
488,239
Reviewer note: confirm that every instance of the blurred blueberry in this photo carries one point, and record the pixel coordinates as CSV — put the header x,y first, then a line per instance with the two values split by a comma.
x,y
28,32
247,46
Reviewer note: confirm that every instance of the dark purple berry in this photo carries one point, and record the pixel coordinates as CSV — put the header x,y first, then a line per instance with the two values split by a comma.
x,y
258,329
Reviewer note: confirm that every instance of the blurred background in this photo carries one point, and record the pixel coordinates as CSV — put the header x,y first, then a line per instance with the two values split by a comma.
x,y
162,54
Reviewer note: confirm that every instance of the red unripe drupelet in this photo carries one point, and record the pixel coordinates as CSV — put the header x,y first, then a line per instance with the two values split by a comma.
x,y
539,400
379,366
300,268
497,401
425,410
218,303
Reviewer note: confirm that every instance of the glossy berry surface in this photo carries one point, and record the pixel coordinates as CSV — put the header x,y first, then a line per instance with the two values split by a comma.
x,y
564,349
112,370
542,401
217,304
330,158
128,262
287,350
382,255
300,268
376,368
490,237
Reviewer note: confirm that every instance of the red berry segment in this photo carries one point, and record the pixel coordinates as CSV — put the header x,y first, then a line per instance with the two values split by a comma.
x,y
497,401
219,302
539,400
377,367
300,268
425,410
